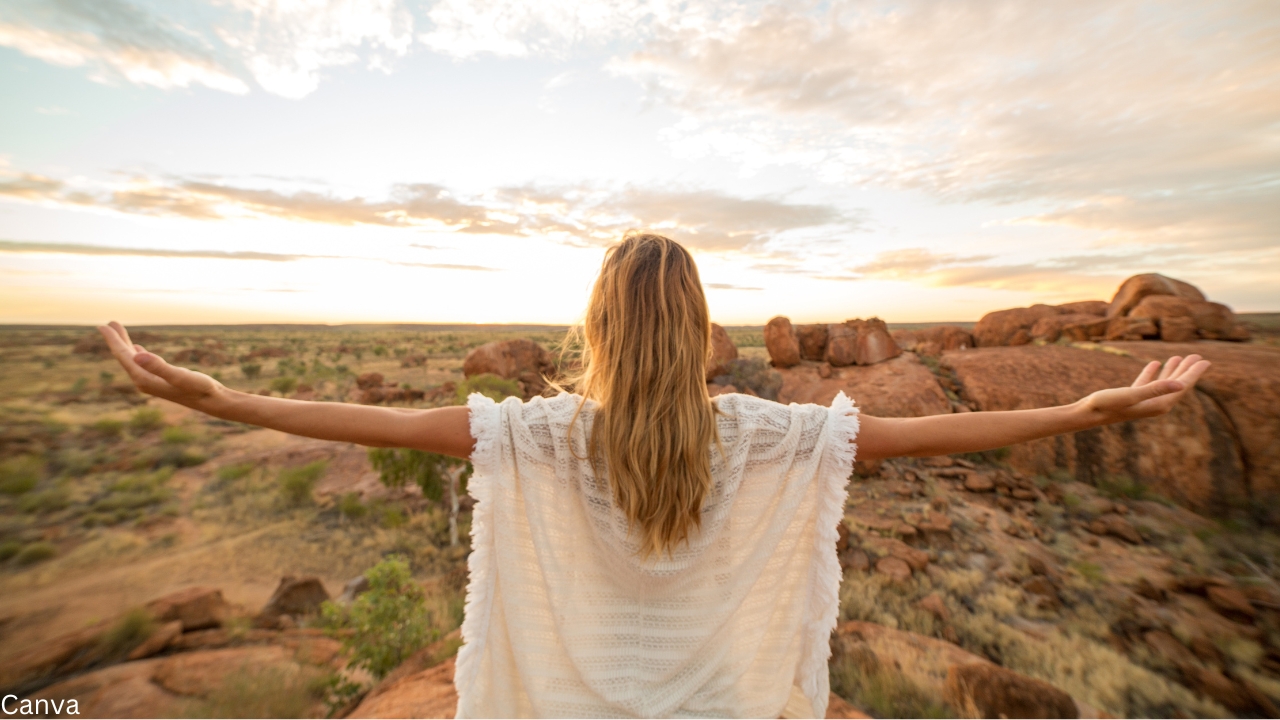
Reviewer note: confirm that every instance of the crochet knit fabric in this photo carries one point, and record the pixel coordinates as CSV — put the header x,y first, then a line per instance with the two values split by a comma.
x,y
565,619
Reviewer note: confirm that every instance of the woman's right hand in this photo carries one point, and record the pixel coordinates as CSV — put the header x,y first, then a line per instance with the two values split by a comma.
x,y
153,376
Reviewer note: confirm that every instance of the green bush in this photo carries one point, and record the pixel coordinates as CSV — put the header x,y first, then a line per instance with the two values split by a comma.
x,y
231,473
45,501
20,475
752,374
9,548
126,634
264,692
251,371
384,625
109,428
392,518
297,483
177,436
489,385
284,385
351,507
35,552
146,419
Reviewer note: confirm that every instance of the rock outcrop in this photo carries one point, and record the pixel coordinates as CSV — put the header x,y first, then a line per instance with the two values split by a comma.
x,y
901,387
934,340
1189,455
853,342
1145,307
521,359
994,692
723,352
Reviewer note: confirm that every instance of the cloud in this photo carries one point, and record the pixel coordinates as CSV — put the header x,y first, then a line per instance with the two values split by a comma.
x,y
115,39
285,45
10,246
1067,274
726,286
1153,119
702,219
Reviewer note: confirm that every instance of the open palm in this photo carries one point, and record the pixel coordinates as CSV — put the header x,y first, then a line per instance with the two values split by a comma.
x,y
152,375
1155,391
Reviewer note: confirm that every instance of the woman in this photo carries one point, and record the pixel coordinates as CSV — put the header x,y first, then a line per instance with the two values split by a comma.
x,y
638,548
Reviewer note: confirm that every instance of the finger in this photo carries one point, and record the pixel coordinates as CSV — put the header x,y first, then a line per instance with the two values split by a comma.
x,y
1170,365
1187,363
1148,374
1153,390
1193,373
178,377
126,356
124,334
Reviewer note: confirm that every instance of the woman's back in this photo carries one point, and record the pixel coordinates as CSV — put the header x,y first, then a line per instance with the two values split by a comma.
x,y
566,618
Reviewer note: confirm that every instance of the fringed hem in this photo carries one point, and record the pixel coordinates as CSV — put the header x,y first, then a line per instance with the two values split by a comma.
x,y
486,459
824,594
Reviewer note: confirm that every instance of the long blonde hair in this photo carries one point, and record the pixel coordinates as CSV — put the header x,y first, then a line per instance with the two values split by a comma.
x,y
645,344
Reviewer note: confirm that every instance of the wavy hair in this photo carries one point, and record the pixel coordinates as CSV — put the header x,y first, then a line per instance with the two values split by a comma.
x,y
645,344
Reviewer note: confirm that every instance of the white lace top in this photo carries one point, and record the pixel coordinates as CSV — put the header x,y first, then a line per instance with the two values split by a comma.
x,y
563,619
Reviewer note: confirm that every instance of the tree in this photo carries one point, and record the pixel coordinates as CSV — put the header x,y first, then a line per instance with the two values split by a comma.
x,y
436,474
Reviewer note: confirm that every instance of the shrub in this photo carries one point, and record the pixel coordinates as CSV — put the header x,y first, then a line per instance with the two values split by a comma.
x,y
264,692
231,473
177,436
384,625
297,483
883,691
109,428
284,385
392,518
126,634
45,501
754,374
146,419
251,371
489,385
35,552
20,475
9,548
351,507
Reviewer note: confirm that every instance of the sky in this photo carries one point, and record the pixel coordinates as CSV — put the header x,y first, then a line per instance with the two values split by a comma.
x,y
446,161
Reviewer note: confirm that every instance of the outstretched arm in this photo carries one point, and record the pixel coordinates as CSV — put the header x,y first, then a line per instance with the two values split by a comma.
x,y
442,430
1155,392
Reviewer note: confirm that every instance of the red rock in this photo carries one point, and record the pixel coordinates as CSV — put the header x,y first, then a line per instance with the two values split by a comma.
x,y
1168,648
1243,383
1050,327
896,568
979,483
425,694
1178,329
723,351
813,341
994,692
1085,307
781,342
1127,328
198,608
201,674
369,381
296,596
932,603
1230,601
905,530
1040,585
901,387
875,344
838,708
842,345
947,337
1188,455
1115,526
906,339
520,359
855,560
158,640
922,660
1214,321
1134,289
118,691
1002,326
1159,307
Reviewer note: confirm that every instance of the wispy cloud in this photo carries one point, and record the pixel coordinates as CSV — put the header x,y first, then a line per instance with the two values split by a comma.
x,y
727,286
284,45
703,219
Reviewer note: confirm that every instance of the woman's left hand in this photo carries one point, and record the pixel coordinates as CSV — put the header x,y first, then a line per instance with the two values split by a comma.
x,y
1154,392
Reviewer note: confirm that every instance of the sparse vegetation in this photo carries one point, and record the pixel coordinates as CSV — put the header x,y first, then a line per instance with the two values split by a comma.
x,y
36,552
491,386
296,484
145,420
20,475
387,623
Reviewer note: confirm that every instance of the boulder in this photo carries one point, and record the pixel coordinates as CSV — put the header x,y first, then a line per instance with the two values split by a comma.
x,y
922,660
1127,328
1010,327
158,640
1133,290
369,381
813,341
198,608
723,351
1230,601
1159,307
1214,321
837,707
425,694
1115,526
296,596
119,691
875,344
354,588
1075,326
896,569
1084,307
991,691
520,359
781,342
901,387
1243,385
842,345
1178,329
940,338
1189,455
203,673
